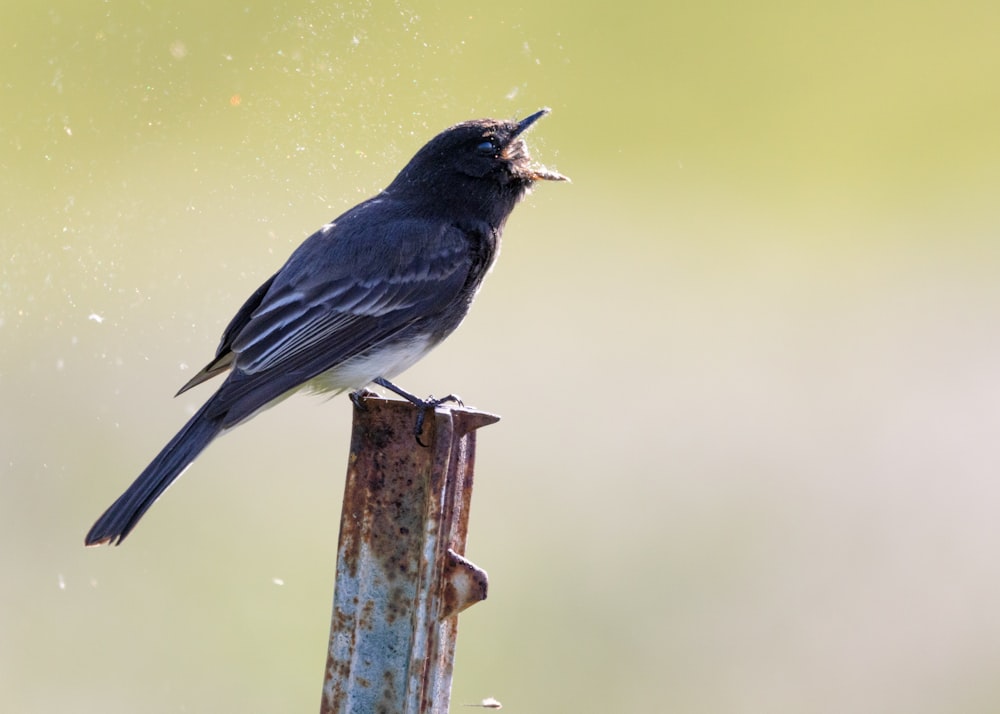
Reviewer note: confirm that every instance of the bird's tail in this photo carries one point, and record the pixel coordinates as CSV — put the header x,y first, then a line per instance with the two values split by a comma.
x,y
123,515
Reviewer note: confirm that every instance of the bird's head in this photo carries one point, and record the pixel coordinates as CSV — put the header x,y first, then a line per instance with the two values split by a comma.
x,y
492,149
483,161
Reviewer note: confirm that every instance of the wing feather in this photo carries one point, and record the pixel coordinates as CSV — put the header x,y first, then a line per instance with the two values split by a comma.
x,y
340,299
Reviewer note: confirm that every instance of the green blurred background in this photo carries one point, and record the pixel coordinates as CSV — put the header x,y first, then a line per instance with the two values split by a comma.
x,y
748,362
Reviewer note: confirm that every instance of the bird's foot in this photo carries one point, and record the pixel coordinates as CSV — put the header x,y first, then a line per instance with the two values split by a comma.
x,y
358,397
429,405
424,405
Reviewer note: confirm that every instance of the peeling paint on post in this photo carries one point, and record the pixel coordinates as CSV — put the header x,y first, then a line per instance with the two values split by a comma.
x,y
401,575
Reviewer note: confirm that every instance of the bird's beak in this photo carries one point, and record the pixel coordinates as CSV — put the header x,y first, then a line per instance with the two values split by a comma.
x,y
539,173
523,125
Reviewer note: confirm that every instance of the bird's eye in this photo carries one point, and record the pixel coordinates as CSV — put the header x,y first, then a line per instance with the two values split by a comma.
x,y
486,148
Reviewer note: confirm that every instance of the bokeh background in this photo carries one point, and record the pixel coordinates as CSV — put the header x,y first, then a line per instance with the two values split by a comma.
x,y
748,362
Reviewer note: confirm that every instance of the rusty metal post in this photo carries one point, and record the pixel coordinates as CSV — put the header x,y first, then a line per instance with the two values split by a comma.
x,y
401,575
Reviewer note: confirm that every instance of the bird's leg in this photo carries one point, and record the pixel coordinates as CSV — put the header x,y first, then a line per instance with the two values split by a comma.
x,y
424,405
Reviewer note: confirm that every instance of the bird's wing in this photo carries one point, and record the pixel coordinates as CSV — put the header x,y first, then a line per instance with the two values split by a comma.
x,y
336,299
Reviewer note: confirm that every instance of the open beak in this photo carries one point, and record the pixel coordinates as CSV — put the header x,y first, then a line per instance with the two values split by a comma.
x,y
539,173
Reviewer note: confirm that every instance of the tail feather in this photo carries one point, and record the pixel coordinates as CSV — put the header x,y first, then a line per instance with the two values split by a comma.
x,y
123,515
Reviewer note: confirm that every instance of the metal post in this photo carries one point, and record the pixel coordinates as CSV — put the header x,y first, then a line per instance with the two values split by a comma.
x,y
401,577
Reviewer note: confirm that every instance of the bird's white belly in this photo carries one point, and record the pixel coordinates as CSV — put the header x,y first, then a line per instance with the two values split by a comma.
x,y
360,371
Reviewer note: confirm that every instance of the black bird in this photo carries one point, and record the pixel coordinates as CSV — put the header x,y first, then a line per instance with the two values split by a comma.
x,y
362,299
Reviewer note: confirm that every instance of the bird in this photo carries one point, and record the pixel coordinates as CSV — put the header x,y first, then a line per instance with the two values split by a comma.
x,y
360,300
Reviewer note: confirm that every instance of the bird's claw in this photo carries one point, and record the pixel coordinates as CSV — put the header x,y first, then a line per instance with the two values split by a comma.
x,y
424,405
358,397
430,404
